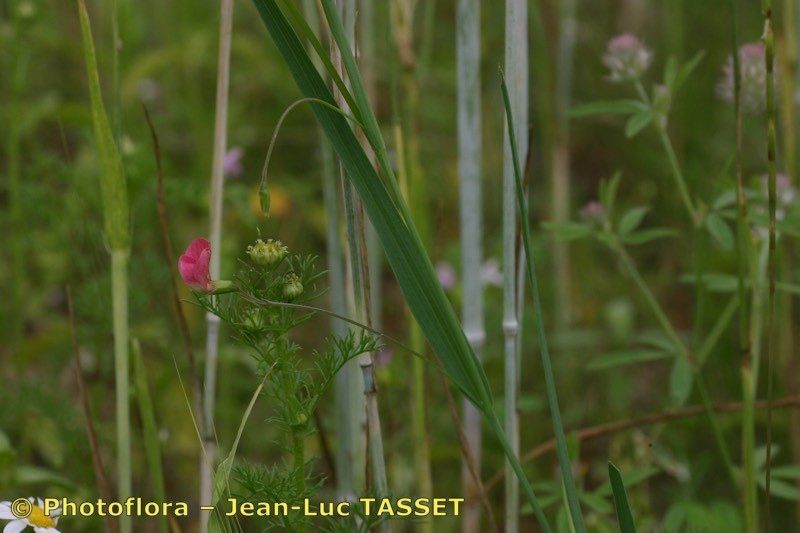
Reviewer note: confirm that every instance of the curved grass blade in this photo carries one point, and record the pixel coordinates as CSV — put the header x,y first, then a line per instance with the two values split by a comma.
x,y
549,379
624,516
399,239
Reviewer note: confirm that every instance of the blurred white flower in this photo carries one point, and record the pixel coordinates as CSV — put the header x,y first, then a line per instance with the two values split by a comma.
x,y
30,515
491,273
626,58
754,78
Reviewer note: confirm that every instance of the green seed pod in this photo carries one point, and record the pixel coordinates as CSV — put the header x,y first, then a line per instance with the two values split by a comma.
x,y
292,288
267,253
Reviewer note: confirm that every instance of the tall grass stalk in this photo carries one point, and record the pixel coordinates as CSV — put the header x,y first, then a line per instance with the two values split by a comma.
x,y
769,53
516,64
367,44
560,166
406,70
114,197
788,56
349,404
215,237
743,252
567,478
390,215
358,271
468,83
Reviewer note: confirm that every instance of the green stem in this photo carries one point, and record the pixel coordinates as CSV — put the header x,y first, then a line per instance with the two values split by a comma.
x,y
119,296
666,325
677,173
769,52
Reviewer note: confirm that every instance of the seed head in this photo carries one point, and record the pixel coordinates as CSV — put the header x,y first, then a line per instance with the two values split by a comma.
x,y
292,287
267,253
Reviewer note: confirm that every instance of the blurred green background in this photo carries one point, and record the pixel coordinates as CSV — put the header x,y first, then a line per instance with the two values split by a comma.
x,y
53,238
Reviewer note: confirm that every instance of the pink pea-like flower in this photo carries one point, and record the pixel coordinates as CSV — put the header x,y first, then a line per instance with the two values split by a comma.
x,y
194,265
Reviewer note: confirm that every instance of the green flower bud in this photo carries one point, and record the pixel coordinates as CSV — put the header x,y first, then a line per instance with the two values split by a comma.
x,y
268,253
292,288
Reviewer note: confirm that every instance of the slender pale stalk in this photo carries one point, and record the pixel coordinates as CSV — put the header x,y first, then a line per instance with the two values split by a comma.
x,y
215,237
114,196
119,302
560,186
769,52
349,406
358,271
468,84
516,67
367,23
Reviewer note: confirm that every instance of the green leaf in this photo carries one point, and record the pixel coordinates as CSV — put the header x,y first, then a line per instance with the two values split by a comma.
x,y
608,192
631,220
670,72
616,107
627,357
647,235
624,516
632,478
686,70
787,471
680,381
719,229
779,488
637,123
568,231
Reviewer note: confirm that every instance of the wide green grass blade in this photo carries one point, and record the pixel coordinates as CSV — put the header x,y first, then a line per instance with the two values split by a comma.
x,y
113,189
547,367
624,516
152,448
388,214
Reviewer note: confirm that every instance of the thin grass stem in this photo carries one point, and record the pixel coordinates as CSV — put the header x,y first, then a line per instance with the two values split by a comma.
x,y
215,237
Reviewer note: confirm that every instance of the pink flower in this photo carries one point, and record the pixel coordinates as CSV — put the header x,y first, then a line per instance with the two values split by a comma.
x,y
193,266
446,275
753,77
626,58
232,164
